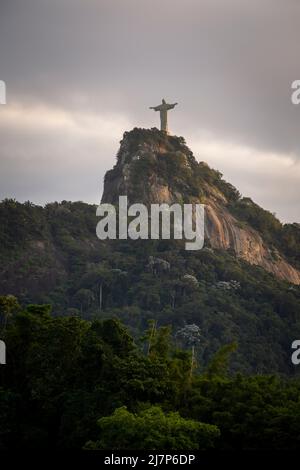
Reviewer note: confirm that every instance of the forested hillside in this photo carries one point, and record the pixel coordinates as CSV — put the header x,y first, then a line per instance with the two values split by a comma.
x,y
51,255
123,344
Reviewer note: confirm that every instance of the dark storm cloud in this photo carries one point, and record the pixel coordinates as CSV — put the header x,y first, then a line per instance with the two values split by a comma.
x,y
90,65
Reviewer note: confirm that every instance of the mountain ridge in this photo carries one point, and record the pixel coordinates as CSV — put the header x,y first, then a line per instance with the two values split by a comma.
x,y
153,167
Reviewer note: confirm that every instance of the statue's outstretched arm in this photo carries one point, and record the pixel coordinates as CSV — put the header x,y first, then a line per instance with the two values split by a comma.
x,y
156,108
171,106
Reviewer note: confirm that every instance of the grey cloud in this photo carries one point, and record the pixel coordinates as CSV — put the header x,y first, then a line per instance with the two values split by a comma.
x,y
229,64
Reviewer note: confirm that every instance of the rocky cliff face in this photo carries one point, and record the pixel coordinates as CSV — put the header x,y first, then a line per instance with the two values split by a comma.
x,y
156,168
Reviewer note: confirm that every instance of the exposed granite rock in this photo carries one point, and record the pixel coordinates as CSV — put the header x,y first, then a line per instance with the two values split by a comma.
x,y
153,167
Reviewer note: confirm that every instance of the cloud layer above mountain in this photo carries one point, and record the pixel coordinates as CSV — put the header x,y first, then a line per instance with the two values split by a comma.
x,y
79,74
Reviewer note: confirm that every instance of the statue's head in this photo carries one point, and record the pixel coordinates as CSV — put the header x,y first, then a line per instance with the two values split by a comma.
x,y
163,101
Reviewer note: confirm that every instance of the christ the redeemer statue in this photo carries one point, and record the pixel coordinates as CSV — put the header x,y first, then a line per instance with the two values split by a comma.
x,y
163,108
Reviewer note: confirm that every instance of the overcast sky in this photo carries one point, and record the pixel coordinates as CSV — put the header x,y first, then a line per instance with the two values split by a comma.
x,y
81,72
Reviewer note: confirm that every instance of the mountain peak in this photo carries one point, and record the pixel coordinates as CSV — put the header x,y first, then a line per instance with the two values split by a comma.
x,y
146,155
153,168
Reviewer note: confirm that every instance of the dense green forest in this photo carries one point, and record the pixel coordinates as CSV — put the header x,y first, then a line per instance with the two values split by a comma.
x,y
71,383
141,344
50,255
